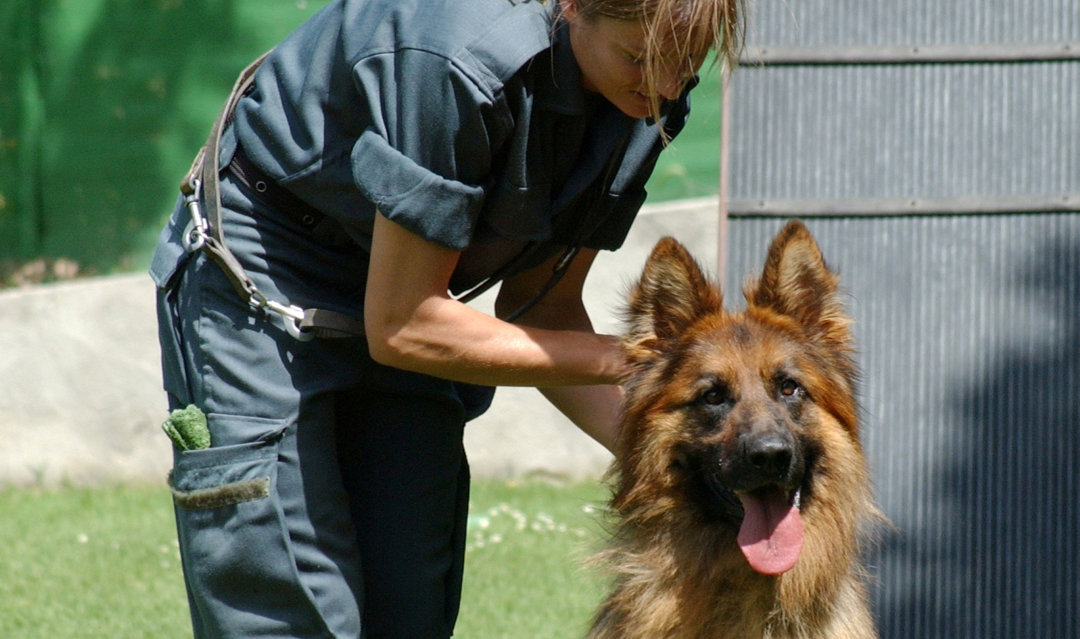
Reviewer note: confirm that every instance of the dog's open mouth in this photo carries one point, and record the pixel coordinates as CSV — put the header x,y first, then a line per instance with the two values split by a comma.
x,y
771,534
771,530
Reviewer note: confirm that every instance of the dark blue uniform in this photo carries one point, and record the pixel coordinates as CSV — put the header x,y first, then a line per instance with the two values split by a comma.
x,y
465,123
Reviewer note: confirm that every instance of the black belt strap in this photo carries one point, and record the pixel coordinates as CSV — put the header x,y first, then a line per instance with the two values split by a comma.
x,y
276,196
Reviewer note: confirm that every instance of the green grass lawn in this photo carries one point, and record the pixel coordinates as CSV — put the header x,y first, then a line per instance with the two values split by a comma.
x,y
523,564
89,563
78,563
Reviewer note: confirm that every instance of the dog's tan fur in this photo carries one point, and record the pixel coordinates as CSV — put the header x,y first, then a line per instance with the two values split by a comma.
x,y
678,571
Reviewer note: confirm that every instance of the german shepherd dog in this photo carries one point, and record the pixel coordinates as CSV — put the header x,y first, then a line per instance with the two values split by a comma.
x,y
740,489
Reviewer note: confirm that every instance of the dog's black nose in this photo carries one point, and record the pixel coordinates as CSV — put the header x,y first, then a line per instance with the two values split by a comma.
x,y
770,454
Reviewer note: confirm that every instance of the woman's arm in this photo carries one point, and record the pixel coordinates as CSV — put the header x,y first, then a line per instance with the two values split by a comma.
x,y
413,324
594,409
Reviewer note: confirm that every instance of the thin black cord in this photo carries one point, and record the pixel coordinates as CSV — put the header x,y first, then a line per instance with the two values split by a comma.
x,y
557,273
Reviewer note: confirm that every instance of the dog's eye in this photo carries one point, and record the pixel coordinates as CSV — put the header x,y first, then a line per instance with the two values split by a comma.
x,y
789,387
714,396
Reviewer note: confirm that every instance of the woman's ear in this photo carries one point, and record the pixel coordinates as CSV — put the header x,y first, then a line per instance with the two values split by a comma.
x,y
568,8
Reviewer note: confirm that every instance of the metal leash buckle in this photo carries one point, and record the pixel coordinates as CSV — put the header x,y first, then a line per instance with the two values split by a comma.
x,y
194,237
292,314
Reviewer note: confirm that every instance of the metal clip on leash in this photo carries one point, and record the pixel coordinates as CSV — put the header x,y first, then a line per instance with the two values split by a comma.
x,y
205,232
292,314
194,237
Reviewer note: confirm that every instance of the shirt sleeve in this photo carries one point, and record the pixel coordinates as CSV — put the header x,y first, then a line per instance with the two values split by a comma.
x,y
425,159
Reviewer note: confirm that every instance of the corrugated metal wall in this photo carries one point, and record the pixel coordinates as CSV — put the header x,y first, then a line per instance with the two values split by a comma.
x,y
915,22
968,325
909,130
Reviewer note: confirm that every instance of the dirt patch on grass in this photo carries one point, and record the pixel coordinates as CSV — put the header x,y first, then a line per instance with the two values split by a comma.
x,y
16,274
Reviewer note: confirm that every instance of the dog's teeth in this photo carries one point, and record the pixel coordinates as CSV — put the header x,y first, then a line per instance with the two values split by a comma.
x,y
798,497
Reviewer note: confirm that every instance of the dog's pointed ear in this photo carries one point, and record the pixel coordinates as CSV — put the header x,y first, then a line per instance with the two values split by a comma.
x,y
796,283
671,295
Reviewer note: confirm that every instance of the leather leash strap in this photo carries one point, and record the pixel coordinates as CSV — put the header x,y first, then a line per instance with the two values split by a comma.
x,y
202,183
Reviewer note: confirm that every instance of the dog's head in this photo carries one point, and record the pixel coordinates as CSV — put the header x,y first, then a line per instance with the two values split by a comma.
x,y
731,417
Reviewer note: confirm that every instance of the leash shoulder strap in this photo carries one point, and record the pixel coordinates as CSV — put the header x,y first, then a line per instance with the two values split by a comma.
x,y
202,183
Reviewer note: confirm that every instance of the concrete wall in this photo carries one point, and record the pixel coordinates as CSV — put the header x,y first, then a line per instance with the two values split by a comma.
x,y
80,387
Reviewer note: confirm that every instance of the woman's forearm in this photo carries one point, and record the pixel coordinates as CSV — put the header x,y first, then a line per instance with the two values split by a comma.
x,y
593,409
448,339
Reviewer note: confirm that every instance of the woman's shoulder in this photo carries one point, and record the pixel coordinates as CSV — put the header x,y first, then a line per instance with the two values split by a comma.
x,y
494,38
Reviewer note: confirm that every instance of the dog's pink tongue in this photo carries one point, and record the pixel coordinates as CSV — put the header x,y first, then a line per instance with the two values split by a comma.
x,y
772,533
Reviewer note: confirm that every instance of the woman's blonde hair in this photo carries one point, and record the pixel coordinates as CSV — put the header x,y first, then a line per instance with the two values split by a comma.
x,y
676,30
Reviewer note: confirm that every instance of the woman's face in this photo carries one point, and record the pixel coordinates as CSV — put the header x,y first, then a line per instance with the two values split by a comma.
x,y
610,54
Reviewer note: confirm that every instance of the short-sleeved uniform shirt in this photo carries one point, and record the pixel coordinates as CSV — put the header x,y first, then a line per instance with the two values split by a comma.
x,y
464,121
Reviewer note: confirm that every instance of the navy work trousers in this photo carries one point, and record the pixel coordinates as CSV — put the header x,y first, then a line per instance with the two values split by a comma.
x,y
332,502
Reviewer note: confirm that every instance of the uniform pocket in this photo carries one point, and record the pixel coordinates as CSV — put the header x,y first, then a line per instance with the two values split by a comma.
x,y
166,269
238,560
216,478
